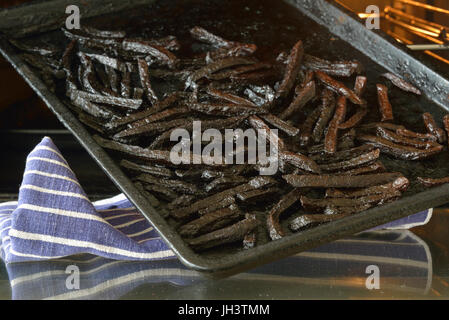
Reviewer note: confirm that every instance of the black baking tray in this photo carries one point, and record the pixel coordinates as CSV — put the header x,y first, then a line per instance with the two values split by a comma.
x,y
326,29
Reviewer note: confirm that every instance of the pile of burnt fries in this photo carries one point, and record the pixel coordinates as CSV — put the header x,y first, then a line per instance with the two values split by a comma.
x,y
329,157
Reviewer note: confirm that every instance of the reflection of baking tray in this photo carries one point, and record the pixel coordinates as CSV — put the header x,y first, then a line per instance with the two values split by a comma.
x,y
264,22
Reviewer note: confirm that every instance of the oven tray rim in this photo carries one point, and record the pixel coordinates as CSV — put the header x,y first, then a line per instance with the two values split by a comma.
x,y
236,262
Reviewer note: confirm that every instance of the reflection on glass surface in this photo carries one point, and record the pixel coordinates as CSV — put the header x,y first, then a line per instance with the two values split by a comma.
x,y
335,270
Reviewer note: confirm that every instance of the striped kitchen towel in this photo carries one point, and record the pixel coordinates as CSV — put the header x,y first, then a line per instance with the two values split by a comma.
x,y
54,218
336,269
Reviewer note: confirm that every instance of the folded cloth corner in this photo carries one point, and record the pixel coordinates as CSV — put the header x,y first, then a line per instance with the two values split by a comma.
x,y
54,218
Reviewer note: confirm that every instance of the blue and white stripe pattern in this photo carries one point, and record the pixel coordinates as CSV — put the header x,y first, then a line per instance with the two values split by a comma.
x,y
338,266
54,218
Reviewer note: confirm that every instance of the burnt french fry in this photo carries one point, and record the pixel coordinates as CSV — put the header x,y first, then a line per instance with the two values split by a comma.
x,y
155,117
339,88
154,128
327,109
177,185
203,35
136,151
399,151
308,77
342,155
161,191
162,55
192,173
160,106
355,119
345,211
230,234
223,203
181,201
255,98
152,199
334,181
359,89
153,156
159,141
386,125
88,79
396,138
307,127
400,184
210,222
274,227
47,66
108,61
446,124
226,74
338,68
48,50
170,75
169,42
259,77
319,205
386,111
311,220
303,96
433,128
145,81
401,84
224,183
360,85
299,161
226,109
344,142
415,135
265,91
150,124
376,167
106,44
91,108
122,102
256,195
267,133
352,163
430,182
291,71
91,122
103,33
125,85
216,124
280,124
253,184
153,170
236,48
216,66
229,97
330,140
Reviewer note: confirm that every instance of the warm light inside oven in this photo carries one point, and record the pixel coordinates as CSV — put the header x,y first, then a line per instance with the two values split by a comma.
x,y
421,25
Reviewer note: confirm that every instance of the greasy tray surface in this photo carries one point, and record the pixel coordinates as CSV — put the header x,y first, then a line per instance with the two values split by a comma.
x,y
270,25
